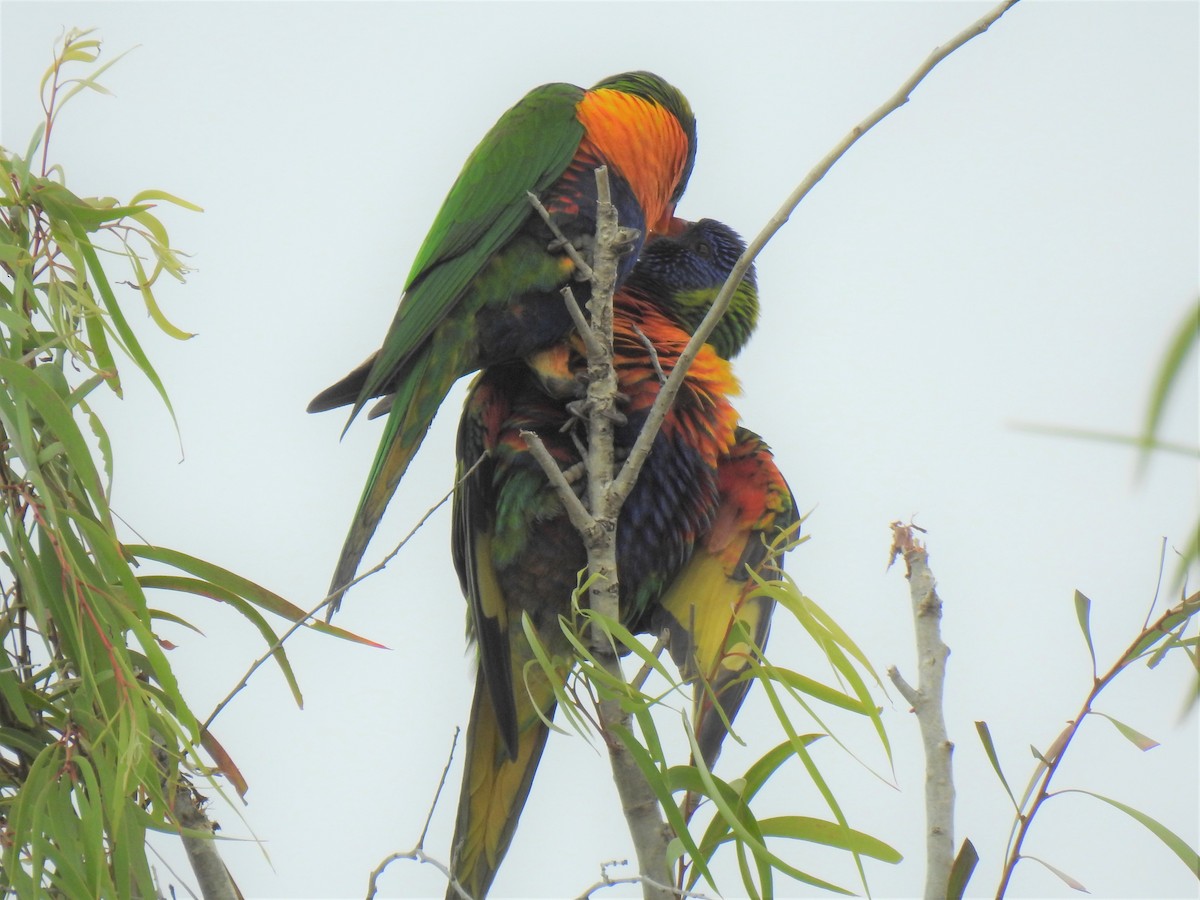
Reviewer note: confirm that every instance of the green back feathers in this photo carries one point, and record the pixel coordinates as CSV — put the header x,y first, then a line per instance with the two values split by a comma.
x,y
526,150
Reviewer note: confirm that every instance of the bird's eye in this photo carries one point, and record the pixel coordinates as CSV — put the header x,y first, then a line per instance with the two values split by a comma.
x,y
704,249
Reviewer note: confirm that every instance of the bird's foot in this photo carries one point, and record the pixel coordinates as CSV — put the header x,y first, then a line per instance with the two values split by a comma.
x,y
581,410
626,241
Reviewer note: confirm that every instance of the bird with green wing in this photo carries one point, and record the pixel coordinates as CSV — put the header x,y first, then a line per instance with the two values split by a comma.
x,y
484,288
706,506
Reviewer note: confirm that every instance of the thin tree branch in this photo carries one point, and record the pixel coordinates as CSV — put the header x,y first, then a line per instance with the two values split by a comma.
x,y
926,702
581,323
607,880
647,827
583,272
653,353
576,511
1048,764
418,852
329,598
637,456
649,831
195,830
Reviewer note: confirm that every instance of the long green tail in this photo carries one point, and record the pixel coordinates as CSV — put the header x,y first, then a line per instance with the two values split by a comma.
x,y
416,402
495,788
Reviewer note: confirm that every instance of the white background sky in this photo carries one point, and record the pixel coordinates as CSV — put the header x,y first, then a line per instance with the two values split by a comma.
x,y
1015,245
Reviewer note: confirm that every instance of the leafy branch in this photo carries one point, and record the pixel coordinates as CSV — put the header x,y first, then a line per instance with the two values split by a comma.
x,y
926,703
1153,643
98,745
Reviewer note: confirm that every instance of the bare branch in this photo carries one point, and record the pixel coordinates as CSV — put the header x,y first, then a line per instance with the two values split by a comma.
x,y
649,831
576,511
653,352
607,880
418,852
581,323
926,701
629,473
329,598
211,874
583,271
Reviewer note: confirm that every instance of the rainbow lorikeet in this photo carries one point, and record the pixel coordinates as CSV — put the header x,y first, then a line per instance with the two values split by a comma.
x,y
708,496
484,288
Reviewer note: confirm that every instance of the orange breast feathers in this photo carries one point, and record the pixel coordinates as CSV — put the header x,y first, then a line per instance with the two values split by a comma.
x,y
702,410
643,141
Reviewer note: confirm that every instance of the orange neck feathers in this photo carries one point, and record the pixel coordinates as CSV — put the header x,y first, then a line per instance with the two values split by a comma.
x,y
643,141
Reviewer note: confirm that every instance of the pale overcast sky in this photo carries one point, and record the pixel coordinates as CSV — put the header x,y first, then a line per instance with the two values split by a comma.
x,y
1015,245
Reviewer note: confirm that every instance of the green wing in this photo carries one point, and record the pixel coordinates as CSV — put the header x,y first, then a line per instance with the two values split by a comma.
x,y
528,149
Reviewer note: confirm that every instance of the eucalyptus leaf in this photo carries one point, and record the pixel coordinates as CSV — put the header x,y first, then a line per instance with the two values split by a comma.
x,y
1177,845
1132,735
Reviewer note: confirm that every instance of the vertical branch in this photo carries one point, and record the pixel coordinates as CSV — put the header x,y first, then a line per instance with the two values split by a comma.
x,y
638,802
210,871
597,526
926,702
195,830
604,593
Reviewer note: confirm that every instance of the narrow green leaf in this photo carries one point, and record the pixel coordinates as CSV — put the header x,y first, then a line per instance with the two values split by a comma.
x,y
156,313
838,633
12,255
831,834
1185,337
1083,608
1174,842
831,639
243,587
660,784
35,142
549,671
989,748
961,870
142,197
105,361
1135,737
650,737
820,691
103,443
29,743
766,765
167,616
129,339
61,423
1066,879
1110,437
10,692
752,892
625,638
60,202
202,588
800,747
